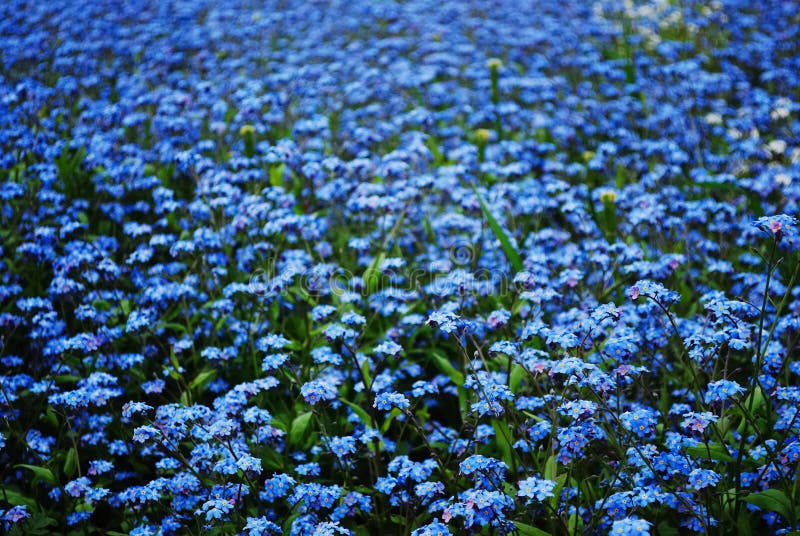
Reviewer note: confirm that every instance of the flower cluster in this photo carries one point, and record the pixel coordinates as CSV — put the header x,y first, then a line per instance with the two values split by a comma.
x,y
413,267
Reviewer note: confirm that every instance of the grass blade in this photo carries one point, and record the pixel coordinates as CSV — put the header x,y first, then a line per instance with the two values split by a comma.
x,y
508,248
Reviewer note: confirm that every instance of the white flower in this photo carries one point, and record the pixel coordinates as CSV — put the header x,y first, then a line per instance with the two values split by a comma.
x,y
777,146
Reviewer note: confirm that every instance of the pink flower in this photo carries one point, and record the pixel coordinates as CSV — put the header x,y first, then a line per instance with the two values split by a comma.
x,y
633,292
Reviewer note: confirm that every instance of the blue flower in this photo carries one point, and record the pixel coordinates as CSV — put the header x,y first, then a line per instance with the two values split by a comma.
x,y
342,447
535,489
132,408
641,422
16,514
260,526
782,227
215,509
703,478
436,528
387,401
630,527
316,391
144,433
721,390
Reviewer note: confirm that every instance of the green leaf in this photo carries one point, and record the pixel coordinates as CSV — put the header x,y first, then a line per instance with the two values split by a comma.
x,y
174,326
16,498
619,176
102,305
753,403
61,379
358,411
503,436
173,359
511,253
220,323
574,525
204,378
388,422
299,427
728,499
447,368
429,232
610,217
174,374
551,468
772,500
365,372
743,523
433,146
71,462
276,175
712,452
665,529
42,473
517,373
272,460
37,525
50,416
756,399
372,274
556,498
529,530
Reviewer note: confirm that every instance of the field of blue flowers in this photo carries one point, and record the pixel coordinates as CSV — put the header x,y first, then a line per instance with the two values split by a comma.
x,y
379,267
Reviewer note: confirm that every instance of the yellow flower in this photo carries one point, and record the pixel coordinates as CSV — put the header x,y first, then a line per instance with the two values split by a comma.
x,y
608,196
482,135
